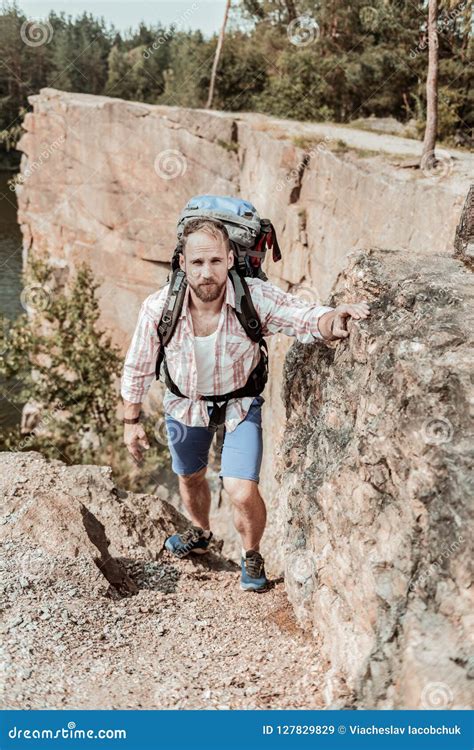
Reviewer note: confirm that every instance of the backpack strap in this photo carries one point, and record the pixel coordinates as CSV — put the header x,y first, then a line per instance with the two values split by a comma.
x,y
244,307
171,312
271,239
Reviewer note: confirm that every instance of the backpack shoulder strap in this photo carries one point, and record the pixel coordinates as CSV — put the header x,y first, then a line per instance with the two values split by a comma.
x,y
171,312
244,307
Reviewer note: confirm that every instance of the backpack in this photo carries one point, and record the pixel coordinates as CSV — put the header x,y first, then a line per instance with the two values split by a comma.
x,y
250,238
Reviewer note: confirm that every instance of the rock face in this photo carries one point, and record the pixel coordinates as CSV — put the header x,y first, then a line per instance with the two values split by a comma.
x,y
376,461
53,516
112,199
464,241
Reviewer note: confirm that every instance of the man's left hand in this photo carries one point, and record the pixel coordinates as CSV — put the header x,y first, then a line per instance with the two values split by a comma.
x,y
334,324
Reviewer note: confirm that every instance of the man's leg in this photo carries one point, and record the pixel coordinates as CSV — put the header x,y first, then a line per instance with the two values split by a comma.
x,y
250,514
196,497
189,448
240,470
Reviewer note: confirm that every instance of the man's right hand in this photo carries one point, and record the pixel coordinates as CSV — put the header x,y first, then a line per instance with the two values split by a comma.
x,y
134,437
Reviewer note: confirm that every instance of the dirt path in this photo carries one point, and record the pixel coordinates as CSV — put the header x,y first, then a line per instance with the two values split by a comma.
x,y
189,639
356,138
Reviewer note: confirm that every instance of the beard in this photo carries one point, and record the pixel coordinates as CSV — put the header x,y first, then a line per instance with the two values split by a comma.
x,y
207,292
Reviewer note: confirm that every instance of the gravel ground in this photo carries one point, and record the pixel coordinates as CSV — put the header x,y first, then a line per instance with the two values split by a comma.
x,y
190,638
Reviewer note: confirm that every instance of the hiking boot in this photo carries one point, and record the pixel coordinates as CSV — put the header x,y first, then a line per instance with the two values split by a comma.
x,y
253,576
193,540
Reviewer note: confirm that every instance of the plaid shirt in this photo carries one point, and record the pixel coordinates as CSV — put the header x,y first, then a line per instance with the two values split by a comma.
x,y
236,353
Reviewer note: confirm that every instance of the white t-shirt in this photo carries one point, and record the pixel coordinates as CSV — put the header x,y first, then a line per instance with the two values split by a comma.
x,y
205,353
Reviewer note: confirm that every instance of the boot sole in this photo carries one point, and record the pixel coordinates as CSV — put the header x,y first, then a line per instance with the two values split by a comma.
x,y
191,552
250,587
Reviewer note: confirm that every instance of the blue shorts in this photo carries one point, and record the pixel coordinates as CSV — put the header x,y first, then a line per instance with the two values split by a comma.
x,y
241,452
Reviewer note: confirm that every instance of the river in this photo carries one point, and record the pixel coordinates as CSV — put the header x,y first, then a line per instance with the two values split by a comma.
x,y
10,282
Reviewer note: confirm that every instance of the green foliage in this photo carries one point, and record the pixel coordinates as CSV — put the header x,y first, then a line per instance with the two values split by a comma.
x,y
366,58
62,360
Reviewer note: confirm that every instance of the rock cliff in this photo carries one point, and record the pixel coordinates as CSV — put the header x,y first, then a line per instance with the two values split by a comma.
x,y
376,478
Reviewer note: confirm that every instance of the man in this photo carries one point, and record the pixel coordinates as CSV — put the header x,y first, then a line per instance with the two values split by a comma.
x,y
210,353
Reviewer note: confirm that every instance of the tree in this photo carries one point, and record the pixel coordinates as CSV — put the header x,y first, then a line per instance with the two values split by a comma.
x,y
62,360
428,159
220,42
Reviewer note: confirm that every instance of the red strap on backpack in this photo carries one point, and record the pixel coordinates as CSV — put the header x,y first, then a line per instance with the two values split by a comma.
x,y
272,243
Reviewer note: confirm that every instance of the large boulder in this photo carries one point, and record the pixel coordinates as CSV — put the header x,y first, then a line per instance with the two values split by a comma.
x,y
73,523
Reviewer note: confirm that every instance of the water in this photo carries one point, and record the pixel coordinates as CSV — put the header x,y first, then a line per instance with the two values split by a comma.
x,y
10,282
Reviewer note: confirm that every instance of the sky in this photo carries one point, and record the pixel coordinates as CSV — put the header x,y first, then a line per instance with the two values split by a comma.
x,y
206,15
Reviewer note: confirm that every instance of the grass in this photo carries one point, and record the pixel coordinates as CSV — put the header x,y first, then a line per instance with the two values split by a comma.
x,y
228,145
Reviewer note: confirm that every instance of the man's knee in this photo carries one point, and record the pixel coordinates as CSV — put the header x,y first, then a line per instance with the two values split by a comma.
x,y
242,492
194,479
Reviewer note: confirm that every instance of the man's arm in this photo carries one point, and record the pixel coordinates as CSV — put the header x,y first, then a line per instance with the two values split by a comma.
x,y
139,369
281,312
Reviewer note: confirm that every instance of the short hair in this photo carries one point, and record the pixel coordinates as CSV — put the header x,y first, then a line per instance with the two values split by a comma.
x,y
212,227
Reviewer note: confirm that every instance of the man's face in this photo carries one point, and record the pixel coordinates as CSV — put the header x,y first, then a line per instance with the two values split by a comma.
x,y
206,263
